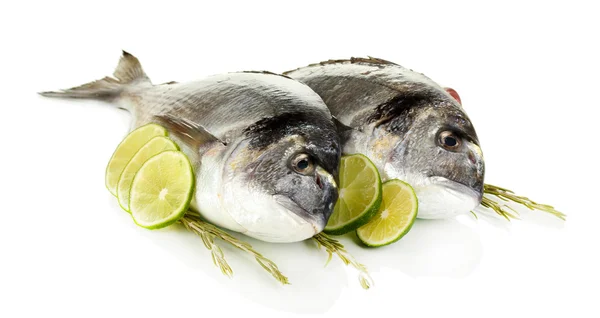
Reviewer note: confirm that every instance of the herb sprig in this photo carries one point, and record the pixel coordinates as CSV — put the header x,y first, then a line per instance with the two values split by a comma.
x,y
332,246
509,196
208,232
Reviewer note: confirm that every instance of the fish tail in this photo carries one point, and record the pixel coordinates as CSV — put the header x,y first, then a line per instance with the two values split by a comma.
x,y
128,72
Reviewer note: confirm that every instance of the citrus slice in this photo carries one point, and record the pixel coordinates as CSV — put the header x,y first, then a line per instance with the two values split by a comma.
x,y
395,217
155,146
125,151
162,190
359,196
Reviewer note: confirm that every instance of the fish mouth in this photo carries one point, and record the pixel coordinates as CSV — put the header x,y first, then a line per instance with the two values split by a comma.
x,y
442,198
329,189
475,192
459,187
321,208
301,215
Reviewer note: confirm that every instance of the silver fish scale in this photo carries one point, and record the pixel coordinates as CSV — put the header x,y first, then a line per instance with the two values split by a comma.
x,y
402,121
249,184
351,88
226,104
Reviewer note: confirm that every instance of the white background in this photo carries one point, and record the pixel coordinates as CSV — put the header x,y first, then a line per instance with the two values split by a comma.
x,y
527,73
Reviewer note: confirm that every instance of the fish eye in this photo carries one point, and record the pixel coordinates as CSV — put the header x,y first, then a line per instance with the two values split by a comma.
x,y
303,163
449,140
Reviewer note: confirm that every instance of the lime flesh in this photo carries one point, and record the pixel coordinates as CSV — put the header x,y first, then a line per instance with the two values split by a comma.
x,y
155,146
162,190
126,150
359,195
395,217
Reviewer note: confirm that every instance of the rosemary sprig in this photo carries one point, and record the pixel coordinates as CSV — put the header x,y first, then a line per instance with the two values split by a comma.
x,y
217,254
508,195
501,209
333,246
193,223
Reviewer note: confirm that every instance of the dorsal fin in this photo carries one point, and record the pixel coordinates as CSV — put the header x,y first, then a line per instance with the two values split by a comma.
x,y
353,60
267,73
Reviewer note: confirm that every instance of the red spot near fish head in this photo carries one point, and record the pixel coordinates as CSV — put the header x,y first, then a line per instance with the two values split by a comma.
x,y
453,93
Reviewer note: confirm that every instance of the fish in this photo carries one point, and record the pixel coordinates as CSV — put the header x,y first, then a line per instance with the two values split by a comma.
x,y
264,147
409,126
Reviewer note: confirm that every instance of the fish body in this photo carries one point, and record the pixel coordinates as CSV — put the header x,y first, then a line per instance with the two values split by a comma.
x,y
264,147
408,125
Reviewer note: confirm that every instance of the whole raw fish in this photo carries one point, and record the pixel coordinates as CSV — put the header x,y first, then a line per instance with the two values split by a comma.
x,y
264,147
409,126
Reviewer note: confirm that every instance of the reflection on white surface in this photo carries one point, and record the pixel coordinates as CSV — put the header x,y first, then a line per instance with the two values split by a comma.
x,y
449,248
314,288
440,248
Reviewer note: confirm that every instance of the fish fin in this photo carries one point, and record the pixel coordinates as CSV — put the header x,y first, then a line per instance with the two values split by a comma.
x,y
128,72
343,130
267,73
372,60
353,60
339,125
191,133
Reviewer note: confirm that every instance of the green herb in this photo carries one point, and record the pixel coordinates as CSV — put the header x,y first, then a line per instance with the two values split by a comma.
x,y
208,232
333,246
508,195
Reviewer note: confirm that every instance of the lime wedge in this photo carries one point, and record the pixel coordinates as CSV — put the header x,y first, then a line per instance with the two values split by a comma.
x,y
162,190
125,151
155,146
395,217
359,196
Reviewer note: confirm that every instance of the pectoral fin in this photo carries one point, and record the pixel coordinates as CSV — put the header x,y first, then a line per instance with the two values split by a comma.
x,y
193,135
343,131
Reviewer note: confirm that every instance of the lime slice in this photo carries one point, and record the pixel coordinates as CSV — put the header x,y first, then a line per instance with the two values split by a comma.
x,y
125,151
162,190
359,196
395,217
155,146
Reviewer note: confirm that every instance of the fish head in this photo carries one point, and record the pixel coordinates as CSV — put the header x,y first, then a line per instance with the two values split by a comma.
x,y
437,151
284,178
